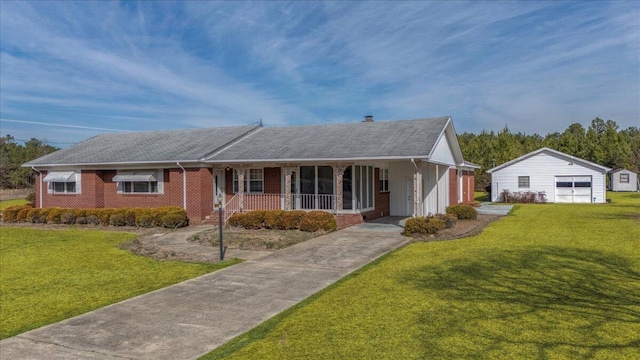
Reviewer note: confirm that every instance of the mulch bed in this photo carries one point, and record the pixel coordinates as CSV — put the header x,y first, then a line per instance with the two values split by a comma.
x,y
463,229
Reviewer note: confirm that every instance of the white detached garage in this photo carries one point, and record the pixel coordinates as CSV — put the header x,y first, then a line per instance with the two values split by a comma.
x,y
562,177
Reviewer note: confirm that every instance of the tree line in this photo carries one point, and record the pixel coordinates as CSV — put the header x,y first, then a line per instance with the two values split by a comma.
x,y
13,155
602,143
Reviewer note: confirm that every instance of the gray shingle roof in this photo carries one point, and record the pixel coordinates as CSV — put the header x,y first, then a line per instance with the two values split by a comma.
x,y
380,139
148,146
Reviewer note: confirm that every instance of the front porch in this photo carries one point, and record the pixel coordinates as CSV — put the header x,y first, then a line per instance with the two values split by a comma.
x,y
370,189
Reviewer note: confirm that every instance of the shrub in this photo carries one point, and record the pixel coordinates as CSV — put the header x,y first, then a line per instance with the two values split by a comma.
x,y
130,217
423,225
22,214
449,220
236,220
524,197
31,198
318,220
10,214
43,213
81,220
415,225
253,219
271,218
33,216
434,225
93,219
463,211
290,219
104,215
175,221
117,220
68,217
53,217
144,220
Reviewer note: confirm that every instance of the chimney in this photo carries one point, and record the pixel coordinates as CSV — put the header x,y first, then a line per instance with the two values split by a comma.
x,y
368,118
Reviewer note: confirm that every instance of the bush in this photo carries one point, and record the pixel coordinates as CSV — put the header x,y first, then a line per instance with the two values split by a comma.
x,y
68,217
449,220
93,219
22,214
81,220
318,220
463,211
10,214
290,220
423,225
175,221
144,220
236,220
271,218
130,217
33,216
524,197
31,198
53,217
117,220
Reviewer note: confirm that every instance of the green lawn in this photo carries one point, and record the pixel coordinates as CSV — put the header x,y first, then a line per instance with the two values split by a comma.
x,y
547,281
50,275
481,196
6,203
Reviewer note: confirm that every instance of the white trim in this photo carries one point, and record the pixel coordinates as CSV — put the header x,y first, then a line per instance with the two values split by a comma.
x,y
584,162
159,176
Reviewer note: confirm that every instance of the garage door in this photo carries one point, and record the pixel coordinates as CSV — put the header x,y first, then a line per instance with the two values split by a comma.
x,y
573,189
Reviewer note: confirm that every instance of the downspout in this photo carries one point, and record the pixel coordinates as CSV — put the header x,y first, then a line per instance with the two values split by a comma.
x,y
184,186
40,192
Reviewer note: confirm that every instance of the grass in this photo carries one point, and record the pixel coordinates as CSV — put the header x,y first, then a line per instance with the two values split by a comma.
x,y
6,203
547,281
481,196
51,275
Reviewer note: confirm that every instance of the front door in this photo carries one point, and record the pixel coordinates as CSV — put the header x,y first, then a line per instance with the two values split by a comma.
x,y
409,196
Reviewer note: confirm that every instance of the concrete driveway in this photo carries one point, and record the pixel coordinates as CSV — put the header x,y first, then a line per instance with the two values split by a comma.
x,y
187,320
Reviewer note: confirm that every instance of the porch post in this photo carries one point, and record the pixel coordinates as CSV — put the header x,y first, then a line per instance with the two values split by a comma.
x,y
417,189
287,187
338,170
241,172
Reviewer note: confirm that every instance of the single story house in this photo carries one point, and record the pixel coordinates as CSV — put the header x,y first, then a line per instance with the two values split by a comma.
x,y
562,177
623,180
360,171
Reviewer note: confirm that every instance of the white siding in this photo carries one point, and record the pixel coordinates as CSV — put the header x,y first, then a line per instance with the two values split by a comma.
x,y
443,153
616,185
401,188
542,169
436,191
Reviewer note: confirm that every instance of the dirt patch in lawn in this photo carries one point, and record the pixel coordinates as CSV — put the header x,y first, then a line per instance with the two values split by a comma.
x,y
462,229
262,239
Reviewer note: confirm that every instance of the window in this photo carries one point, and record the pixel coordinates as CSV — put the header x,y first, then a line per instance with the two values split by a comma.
x,y
140,181
624,178
254,181
63,187
148,187
384,179
523,181
63,182
363,189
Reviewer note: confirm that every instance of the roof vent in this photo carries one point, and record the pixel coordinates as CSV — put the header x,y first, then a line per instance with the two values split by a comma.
x,y
368,118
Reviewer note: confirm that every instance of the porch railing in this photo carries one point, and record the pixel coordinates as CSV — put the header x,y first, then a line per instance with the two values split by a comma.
x,y
276,202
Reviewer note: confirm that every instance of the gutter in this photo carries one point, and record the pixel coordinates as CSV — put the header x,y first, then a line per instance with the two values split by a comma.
x,y
40,177
184,186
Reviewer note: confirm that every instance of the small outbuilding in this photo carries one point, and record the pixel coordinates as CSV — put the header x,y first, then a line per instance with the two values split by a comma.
x,y
623,180
563,178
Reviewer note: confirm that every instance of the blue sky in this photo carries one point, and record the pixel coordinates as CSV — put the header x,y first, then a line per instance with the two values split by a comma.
x,y
71,70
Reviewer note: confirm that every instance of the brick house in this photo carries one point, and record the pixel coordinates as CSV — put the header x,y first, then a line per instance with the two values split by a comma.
x,y
359,171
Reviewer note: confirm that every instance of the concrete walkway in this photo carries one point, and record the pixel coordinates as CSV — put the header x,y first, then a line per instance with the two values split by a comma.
x,y
486,208
187,320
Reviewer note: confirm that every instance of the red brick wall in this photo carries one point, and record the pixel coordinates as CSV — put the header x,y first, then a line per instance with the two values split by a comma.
x,y
346,220
468,186
453,186
91,187
382,202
